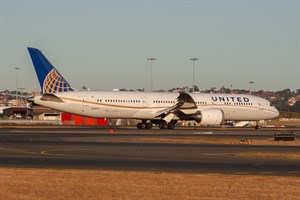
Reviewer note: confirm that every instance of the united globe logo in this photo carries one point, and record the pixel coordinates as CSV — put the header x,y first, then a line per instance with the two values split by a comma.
x,y
54,82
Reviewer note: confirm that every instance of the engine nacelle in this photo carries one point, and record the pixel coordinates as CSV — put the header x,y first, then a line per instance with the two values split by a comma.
x,y
212,117
197,117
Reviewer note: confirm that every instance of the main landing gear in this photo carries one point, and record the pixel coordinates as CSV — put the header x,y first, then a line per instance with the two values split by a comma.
x,y
144,125
161,124
166,125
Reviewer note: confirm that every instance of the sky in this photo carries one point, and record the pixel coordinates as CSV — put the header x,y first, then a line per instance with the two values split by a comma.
x,y
104,45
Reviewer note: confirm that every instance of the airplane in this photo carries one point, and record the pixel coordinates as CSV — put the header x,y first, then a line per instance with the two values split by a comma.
x,y
163,109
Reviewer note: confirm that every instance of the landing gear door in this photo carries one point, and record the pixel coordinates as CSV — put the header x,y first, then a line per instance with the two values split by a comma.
x,y
145,101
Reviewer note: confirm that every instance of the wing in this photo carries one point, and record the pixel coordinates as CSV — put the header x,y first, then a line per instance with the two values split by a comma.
x,y
16,95
184,102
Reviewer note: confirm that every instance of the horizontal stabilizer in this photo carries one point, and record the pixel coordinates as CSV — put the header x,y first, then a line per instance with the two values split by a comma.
x,y
16,95
51,97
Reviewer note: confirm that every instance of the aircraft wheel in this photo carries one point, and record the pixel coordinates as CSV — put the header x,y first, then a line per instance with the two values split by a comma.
x,y
163,126
171,126
149,126
139,125
257,127
143,125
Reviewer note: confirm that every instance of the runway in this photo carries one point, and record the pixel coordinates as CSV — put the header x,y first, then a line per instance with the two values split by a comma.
x,y
146,150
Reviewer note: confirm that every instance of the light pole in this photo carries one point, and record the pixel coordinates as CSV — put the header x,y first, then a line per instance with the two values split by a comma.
x,y
250,82
21,92
194,59
17,68
151,60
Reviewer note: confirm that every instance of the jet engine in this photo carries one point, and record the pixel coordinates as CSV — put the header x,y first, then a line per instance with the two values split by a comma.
x,y
210,117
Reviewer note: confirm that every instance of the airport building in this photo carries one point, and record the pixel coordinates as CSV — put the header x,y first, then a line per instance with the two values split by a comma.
x,y
40,113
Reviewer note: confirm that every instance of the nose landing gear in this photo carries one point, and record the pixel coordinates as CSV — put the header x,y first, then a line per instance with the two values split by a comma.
x,y
257,126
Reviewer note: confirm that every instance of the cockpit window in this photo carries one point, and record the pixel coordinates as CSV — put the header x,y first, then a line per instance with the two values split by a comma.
x,y
271,105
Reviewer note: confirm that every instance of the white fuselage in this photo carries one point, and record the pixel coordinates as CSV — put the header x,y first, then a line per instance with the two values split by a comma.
x,y
146,105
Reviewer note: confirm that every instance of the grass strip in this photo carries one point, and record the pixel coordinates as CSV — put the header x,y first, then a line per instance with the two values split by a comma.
x,y
61,184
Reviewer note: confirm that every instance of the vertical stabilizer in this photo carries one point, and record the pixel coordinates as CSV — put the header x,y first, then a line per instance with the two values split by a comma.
x,y
51,81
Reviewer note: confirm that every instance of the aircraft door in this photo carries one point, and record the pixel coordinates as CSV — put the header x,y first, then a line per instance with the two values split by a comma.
x,y
84,104
145,101
85,99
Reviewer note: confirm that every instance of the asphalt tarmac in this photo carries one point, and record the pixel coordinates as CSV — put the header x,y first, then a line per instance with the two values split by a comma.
x,y
136,150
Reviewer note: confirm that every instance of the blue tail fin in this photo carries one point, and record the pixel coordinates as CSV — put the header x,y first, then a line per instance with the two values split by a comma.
x,y
50,79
